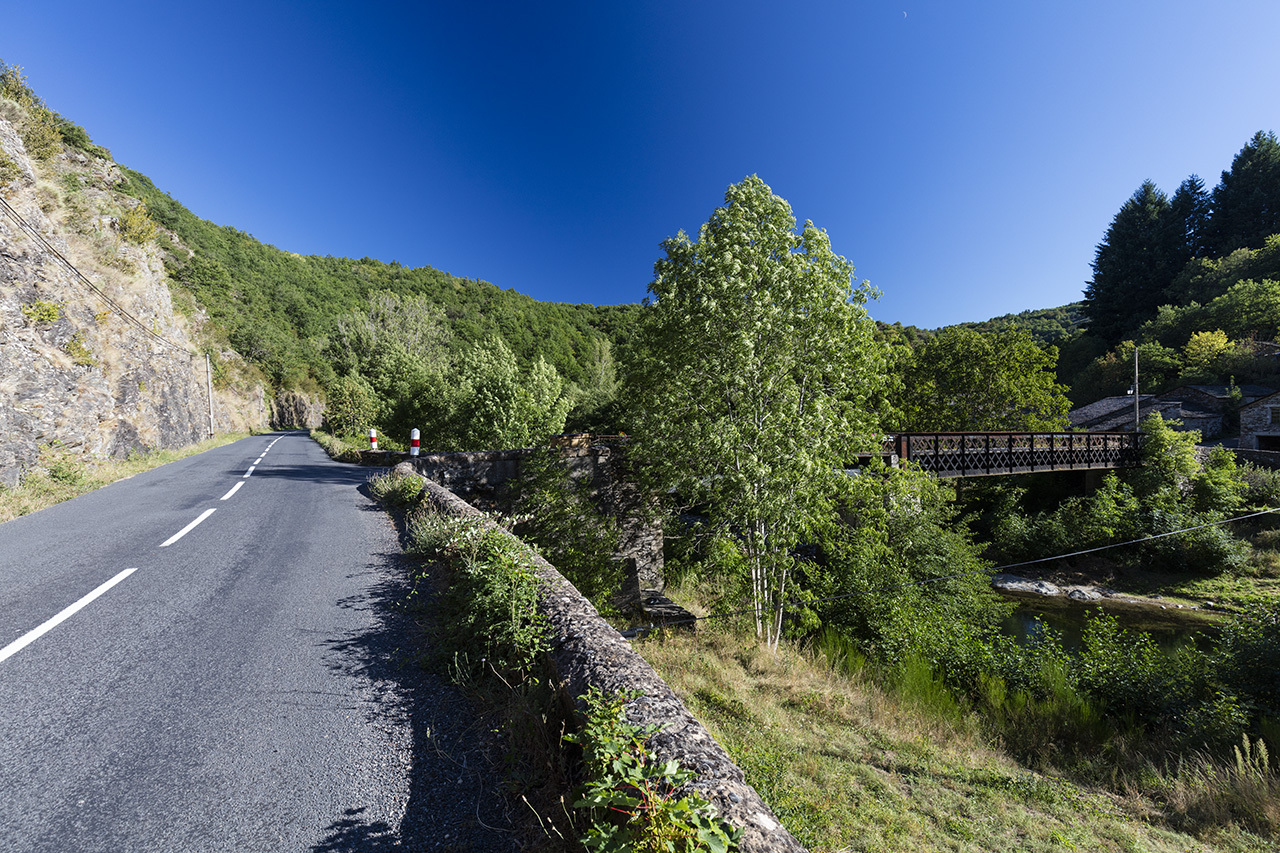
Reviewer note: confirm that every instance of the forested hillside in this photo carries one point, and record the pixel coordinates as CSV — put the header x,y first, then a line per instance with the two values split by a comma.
x,y
1193,280
279,308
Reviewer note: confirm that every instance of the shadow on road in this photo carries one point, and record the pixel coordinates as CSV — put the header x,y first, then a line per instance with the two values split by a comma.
x,y
456,801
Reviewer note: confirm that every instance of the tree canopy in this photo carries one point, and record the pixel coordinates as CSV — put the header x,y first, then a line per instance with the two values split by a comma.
x,y
753,358
963,380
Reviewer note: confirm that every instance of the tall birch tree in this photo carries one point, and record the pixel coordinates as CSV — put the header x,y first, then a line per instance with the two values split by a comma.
x,y
752,365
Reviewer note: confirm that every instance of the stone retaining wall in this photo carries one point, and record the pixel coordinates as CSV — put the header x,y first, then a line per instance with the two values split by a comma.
x,y
1262,458
587,652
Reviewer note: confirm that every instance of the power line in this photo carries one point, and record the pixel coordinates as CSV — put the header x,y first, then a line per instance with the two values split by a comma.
x,y
760,611
31,231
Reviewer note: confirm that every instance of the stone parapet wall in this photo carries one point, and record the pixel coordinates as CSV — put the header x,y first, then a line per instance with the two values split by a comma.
x,y
1261,458
587,652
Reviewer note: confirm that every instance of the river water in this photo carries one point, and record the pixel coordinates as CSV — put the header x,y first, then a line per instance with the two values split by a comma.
x,y
1171,627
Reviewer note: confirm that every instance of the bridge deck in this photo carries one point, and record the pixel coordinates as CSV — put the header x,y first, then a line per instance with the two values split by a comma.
x,y
981,454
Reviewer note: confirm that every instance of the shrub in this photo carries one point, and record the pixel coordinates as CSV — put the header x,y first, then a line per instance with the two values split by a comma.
x,y
1218,487
14,86
396,490
1261,485
136,225
9,170
79,352
494,620
630,798
42,313
39,131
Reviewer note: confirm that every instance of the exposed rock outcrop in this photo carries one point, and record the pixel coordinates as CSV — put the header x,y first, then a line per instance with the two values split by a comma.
x,y
295,410
76,373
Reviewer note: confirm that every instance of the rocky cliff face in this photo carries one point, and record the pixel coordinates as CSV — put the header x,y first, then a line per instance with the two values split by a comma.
x,y
77,372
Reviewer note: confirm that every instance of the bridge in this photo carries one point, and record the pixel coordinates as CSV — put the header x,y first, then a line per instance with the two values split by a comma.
x,y
983,454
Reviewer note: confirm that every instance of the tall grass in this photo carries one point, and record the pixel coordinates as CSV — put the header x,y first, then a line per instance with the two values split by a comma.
x,y
63,475
853,755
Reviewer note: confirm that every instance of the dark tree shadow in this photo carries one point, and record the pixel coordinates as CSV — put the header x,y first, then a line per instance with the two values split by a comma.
x,y
456,796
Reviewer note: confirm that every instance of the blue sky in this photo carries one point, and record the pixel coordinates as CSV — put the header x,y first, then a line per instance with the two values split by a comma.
x,y
966,157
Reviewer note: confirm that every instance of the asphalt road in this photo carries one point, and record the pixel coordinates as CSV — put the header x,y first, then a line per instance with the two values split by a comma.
x,y
241,686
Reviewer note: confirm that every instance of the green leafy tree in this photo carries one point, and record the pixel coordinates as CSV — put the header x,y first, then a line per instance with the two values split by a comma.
x,y
500,408
753,360
1111,374
1203,347
352,406
967,380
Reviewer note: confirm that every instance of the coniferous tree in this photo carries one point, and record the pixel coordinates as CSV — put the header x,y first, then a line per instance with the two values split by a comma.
x,y
1189,210
1246,202
1134,263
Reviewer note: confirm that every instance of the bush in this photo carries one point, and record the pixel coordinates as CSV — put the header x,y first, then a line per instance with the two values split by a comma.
x,y
136,225
1261,485
493,599
42,313
9,170
396,490
630,798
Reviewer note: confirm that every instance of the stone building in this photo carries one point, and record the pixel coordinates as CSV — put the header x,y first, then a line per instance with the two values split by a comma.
x,y
1260,424
1199,407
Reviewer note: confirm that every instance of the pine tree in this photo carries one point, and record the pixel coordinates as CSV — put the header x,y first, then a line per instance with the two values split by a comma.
x,y
1136,260
1246,202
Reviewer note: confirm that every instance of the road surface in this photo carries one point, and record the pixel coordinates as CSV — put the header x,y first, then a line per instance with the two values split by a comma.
x,y
207,657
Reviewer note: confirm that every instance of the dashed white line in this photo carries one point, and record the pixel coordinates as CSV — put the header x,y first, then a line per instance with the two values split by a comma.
x,y
234,489
36,633
258,461
184,531
250,471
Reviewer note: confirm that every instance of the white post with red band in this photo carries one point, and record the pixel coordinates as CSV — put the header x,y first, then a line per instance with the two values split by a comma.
x,y
373,439
414,435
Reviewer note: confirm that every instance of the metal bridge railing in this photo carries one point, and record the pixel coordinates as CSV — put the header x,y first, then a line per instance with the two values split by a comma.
x,y
977,454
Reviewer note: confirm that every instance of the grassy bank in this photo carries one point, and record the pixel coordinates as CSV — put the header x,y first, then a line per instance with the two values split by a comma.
x,y
855,760
65,475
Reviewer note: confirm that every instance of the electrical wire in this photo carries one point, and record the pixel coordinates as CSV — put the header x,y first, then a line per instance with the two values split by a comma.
x,y
31,231
641,630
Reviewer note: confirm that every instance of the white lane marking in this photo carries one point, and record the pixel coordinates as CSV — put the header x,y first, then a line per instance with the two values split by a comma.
x,y
36,633
234,489
184,531
250,471
258,461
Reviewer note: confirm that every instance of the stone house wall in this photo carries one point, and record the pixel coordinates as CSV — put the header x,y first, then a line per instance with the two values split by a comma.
x,y
1257,419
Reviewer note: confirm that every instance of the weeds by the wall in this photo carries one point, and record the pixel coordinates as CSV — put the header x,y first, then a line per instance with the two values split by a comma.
x,y
495,644
337,449
632,800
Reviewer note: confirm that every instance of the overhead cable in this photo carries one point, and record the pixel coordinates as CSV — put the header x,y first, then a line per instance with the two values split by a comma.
x,y
760,611
30,230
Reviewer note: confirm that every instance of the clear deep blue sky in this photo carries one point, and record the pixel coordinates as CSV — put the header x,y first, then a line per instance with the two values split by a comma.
x,y
965,156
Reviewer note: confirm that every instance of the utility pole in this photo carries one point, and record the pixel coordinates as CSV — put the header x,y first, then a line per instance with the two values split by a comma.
x,y
208,379
1136,417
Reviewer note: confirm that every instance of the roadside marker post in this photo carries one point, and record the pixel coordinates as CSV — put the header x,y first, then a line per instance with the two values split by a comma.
x,y
373,439
414,435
